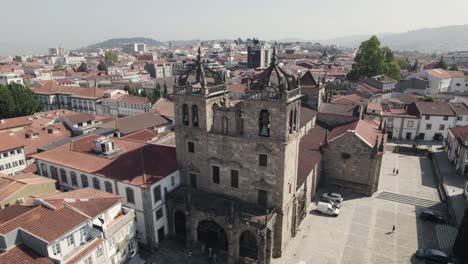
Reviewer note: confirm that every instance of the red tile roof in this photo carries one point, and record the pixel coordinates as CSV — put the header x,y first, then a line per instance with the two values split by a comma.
x,y
22,254
459,132
366,129
47,224
137,164
165,107
309,153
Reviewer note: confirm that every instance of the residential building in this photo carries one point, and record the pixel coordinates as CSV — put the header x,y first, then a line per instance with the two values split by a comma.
x,y
78,99
12,156
258,55
386,84
81,123
118,103
416,85
440,80
83,226
7,78
22,187
148,120
159,69
457,148
59,51
141,173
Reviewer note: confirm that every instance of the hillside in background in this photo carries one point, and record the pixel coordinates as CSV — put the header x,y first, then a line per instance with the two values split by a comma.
x,y
443,39
119,42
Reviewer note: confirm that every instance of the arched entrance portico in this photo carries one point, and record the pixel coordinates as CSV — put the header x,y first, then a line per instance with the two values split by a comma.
x,y
179,226
248,247
212,235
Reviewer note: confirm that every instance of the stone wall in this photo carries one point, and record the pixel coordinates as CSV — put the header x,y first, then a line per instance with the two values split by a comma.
x,y
348,162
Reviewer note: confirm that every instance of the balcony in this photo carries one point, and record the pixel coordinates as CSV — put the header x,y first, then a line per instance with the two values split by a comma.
x,y
272,95
125,216
198,90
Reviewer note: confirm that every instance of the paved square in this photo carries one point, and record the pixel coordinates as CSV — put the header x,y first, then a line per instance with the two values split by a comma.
x,y
362,231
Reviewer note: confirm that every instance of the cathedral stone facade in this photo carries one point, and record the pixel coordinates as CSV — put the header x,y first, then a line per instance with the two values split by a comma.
x,y
238,162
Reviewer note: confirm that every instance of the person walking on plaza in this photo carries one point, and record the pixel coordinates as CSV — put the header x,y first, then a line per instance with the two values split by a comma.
x,y
393,229
397,172
393,170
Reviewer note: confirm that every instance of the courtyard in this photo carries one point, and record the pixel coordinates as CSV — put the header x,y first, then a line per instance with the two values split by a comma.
x,y
362,233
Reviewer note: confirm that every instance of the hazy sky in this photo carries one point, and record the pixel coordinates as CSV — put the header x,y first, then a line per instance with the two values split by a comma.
x,y
28,26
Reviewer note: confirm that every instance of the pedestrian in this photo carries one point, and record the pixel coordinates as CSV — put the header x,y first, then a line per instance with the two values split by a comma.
x,y
393,170
203,248
393,229
397,172
214,258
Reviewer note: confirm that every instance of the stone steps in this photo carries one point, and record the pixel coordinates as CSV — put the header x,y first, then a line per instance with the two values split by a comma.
x,y
405,199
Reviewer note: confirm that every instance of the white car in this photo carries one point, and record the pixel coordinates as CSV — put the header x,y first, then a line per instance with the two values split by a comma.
x,y
328,209
335,197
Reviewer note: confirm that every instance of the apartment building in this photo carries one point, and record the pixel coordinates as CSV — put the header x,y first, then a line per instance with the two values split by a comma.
x,y
83,226
118,103
12,156
142,173
7,78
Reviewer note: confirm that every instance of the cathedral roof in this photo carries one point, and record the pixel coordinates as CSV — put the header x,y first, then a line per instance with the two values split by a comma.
x,y
200,74
274,78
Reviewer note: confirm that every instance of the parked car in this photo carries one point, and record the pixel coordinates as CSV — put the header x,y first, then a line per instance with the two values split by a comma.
x,y
431,216
433,255
333,203
327,208
336,197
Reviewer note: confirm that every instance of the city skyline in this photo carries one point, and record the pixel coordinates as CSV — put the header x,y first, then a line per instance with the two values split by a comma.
x,y
42,26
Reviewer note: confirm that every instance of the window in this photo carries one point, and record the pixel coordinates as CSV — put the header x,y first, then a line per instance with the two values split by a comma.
x,y
157,194
96,183
441,127
262,160
84,181
291,121
194,116
428,126
215,173
130,195
410,124
21,162
234,178
295,120
427,117
99,252
70,240
193,180
83,232
56,249
185,115
264,124
445,117
63,176
74,179
108,186
459,118
262,198
159,213
191,147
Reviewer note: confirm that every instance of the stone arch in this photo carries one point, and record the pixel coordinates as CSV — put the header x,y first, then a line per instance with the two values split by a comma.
x,y
248,247
212,235
264,121
180,229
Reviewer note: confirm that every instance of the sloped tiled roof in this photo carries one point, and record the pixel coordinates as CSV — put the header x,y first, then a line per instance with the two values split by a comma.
x,y
22,254
366,129
309,152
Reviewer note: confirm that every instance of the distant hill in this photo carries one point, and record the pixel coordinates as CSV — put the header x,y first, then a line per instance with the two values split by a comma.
x,y
119,42
443,39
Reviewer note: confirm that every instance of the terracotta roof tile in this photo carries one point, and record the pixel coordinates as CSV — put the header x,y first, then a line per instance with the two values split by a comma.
x,y
459,132
22,254
309,152
165,107
44,223
85,251
366,129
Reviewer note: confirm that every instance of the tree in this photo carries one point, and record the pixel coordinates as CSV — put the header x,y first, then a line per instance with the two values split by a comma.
x,y
164,94
16,100
111,56
441,64
18,58
372,60
403,63
459,248
7,103
415,66
454,67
